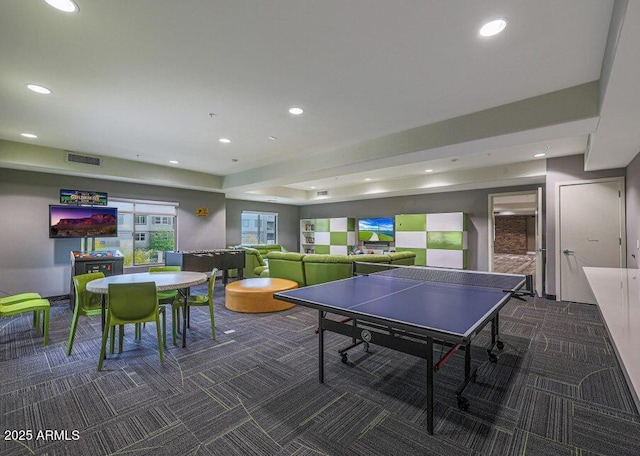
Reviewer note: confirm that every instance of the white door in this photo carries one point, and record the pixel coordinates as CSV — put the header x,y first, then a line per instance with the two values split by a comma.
x,y
591,216
539,285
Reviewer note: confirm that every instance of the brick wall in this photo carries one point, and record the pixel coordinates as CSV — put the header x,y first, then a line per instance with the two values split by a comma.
x,y
511,234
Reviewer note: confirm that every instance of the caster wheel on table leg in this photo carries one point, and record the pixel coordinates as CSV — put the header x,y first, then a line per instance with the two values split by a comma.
x,y
493,358
344,358
500,345
366,347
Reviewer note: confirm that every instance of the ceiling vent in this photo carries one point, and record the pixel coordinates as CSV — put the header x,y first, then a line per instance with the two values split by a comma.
x,y
85,160
322,193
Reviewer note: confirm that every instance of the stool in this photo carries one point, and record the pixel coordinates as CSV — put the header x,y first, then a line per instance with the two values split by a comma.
x,y
256,295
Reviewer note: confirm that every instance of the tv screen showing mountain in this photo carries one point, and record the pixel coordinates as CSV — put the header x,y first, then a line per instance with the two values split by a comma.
x,y
82,221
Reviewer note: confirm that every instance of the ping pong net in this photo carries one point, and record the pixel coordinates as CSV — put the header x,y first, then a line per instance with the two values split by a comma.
x,y
506,282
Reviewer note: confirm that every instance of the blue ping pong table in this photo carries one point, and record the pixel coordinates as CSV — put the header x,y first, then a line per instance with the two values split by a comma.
x,y
409,309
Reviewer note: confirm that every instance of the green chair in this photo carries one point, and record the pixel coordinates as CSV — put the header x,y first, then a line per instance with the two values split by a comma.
x,y
196,300
166,297
7,300
87,304
33,305
132,303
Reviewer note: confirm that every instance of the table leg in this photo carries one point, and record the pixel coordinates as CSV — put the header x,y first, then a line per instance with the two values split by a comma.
x,y
430,385
467,363
185,295
103,317
320,348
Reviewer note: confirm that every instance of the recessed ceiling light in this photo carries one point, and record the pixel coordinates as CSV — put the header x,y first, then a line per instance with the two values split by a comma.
x,y
66,6
174,162
272,138
428,170
368,179
540,154
28,135
296,111
38,89
494,27
225,140
313,186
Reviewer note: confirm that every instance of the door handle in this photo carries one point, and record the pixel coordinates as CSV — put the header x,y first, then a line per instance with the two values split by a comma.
x,y
568,252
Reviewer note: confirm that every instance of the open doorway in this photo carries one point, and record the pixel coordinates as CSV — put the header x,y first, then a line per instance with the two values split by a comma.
x,y
515,244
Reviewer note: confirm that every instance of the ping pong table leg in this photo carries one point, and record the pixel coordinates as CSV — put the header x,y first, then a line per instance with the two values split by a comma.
x,y
467,363
430,385
499,343
320,348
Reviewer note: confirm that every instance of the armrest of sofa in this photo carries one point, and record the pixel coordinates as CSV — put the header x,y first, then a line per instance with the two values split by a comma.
x,y
253,260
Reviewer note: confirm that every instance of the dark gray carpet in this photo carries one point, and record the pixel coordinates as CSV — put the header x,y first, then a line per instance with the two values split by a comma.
x,y
557,389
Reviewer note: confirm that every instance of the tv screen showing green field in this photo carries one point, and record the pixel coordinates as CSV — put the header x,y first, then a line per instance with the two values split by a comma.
x,y
376,229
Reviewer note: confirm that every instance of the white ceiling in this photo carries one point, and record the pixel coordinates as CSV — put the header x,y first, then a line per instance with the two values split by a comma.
x,y
389,89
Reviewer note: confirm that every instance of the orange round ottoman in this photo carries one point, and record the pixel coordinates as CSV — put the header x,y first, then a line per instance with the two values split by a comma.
x,y
256,295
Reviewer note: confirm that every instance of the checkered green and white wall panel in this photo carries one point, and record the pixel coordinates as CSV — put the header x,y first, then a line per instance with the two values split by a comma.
x,y
330,235
439,240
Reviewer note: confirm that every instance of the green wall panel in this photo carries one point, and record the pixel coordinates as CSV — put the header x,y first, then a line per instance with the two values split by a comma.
x,y
338,238
351,224
322,249
322,225
411,222
447,240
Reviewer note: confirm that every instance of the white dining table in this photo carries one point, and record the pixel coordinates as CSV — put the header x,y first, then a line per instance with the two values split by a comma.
x,y
165,280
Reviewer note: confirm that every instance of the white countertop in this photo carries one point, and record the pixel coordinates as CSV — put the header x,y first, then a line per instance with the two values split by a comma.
x,y
617,293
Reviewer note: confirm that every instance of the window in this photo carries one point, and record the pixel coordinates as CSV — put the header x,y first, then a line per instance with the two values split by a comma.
x,y
145,231
259,228
163,220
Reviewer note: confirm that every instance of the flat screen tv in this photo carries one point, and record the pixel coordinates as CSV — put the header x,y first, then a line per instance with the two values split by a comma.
x,y
376,229
82,221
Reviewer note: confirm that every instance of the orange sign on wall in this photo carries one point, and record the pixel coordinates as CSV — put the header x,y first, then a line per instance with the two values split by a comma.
x,y
202,211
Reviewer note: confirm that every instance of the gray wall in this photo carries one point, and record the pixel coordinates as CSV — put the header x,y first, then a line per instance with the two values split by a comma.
x,y
475,203
633,212
288,221
564,169
30,261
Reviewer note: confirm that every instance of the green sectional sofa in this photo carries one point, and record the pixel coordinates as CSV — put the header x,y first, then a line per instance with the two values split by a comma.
x,y
263,249
406,258
287,265
255,266
312,269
